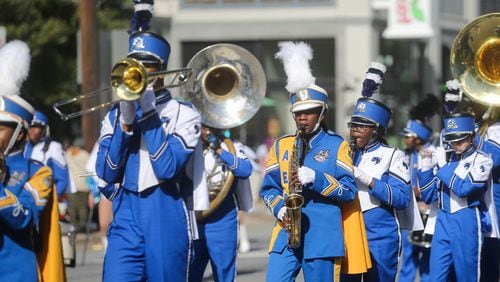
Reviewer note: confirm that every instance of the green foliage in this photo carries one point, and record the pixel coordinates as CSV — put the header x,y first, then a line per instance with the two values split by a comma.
x,y
50,29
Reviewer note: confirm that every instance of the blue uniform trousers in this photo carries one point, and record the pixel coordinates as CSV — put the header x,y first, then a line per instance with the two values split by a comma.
x,y
217,243
413,258
148,238
457,240
285,266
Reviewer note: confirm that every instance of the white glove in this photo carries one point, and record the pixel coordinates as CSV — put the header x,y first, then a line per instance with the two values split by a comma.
x,y
147,100
439,156
127,112
427,160
362,177
427,164
306,175
281,213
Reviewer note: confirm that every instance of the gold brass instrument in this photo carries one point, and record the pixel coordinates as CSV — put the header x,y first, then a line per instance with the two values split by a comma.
x,y
293,200
229,85
219,184
129,79
228,88
475,61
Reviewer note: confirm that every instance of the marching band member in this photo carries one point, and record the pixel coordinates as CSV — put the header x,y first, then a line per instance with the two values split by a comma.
x,y
144,147
382,175
487,143
417,137
28,204
47,151
217,232
328,186
459,187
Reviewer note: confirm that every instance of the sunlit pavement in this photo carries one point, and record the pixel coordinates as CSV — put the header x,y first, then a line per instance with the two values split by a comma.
x,y
251,265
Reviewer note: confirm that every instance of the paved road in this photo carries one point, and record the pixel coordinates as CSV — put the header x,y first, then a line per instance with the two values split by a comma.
x,y
251,265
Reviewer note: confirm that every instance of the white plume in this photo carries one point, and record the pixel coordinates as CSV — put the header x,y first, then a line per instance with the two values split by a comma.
x,y
15,61
295,58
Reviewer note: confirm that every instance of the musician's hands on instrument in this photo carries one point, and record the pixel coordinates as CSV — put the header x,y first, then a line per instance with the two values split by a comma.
x,y
215,142
127,112
306,175
147,100
428,160
284,218
363,177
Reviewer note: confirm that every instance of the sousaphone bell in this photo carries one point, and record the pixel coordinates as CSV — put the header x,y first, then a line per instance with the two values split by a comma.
x,y
228,88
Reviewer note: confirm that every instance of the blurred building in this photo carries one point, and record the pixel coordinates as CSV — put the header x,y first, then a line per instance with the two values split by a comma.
x,y
345,36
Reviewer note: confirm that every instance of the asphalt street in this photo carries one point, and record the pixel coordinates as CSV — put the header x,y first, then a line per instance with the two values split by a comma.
x,y
251,266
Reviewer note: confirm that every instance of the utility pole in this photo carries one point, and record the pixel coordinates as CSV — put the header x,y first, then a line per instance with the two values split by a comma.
x,y
90,81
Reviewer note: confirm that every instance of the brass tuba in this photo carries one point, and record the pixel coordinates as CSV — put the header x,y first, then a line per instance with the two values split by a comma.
x,y
228,88
475,61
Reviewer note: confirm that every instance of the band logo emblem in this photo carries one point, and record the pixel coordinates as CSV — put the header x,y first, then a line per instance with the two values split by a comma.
x,y
452,124
322,156
138,43
15,178
303,95
361,107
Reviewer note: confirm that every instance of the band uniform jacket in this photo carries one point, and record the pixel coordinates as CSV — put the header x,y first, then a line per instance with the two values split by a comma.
x,y
29,223
51,154
139,162
331,208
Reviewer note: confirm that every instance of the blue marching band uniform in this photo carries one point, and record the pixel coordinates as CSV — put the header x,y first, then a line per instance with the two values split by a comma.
x,y
383,180
416,257
330,188
150,235
218,233
30,248
458,185
50,153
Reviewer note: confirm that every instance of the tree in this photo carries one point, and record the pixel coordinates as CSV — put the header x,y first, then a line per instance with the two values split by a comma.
x,y
50,28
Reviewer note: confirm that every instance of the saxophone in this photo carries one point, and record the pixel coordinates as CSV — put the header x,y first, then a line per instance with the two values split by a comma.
x,y
293,200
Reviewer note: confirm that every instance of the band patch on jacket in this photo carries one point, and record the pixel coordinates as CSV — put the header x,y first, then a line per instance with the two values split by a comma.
x,y
15,178
322,155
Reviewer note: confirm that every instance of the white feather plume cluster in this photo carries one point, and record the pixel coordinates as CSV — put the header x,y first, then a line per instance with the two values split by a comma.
x,y
15,61
295,58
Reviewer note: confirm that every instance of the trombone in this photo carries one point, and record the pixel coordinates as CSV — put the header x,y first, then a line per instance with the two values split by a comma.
x,y
129,80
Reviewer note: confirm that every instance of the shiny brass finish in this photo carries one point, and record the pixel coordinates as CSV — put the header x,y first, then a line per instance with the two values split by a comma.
x,y
129,79
218,190
229,85
294,201
475,59
228,88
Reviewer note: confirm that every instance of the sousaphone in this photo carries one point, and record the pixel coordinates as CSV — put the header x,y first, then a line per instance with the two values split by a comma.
x,y
475,62
228,88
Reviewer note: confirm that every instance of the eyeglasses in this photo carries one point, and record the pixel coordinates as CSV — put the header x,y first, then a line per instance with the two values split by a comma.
x,y
359,127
